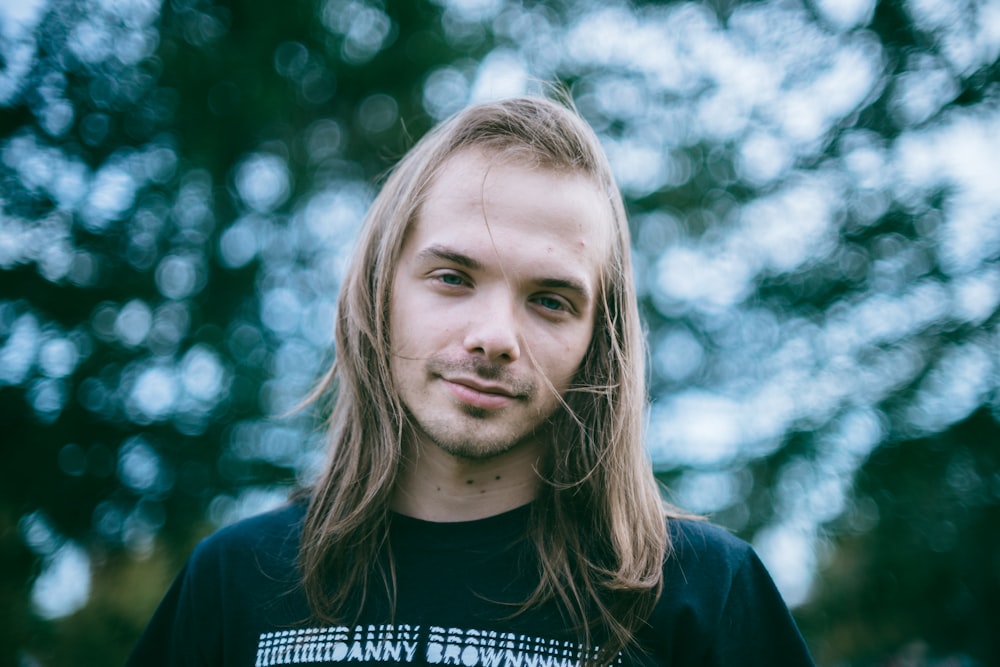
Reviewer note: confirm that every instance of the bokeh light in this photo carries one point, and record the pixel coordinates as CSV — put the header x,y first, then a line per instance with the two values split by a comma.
x,y
814,205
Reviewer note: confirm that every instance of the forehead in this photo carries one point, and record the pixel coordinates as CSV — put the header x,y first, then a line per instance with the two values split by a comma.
x,y
506,196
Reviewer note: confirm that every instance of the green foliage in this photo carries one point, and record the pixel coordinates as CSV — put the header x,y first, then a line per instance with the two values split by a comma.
x,y
816,248
915,562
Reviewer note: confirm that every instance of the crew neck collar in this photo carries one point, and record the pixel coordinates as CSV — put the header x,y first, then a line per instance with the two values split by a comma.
x,y
410,531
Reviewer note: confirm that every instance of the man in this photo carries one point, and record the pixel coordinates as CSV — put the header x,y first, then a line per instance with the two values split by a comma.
x,y
487,500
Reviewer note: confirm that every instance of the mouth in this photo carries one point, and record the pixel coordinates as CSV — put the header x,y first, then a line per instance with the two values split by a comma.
x,y
484,395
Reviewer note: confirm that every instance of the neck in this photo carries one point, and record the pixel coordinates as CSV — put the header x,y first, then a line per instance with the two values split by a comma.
x,y
434,485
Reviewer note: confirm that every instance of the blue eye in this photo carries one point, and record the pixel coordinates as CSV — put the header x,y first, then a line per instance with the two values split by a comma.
x,y
451,279
550,303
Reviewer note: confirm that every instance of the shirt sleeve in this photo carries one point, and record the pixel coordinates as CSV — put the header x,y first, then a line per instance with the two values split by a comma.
x,y
719,606
755,627
239,582
185,626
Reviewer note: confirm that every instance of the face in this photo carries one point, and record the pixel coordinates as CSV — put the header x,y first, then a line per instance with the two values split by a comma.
x,y
493,302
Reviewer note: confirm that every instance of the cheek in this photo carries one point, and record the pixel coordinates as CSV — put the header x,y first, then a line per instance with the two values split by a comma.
x,y
416,331
401,343
567,359
403,322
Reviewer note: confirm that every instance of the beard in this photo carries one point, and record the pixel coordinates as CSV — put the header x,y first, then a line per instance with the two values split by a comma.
x,y
474,444
472,450
474,433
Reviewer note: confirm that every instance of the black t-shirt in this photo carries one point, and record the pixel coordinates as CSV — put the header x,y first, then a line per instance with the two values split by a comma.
x,y
238,601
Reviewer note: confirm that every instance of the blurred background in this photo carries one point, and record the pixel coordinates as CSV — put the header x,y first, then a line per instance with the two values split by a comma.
x,y
814,191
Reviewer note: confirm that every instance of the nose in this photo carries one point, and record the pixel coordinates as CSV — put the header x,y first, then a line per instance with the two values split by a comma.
x,y
493,331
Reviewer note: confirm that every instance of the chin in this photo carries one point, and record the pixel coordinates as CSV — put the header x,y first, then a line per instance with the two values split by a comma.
x,y
474,442
476,451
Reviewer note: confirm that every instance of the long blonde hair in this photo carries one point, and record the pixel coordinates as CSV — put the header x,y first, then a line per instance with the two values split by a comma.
x,y
598,524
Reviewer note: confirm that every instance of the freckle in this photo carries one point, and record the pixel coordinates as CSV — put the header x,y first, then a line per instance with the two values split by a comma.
x,y
482,490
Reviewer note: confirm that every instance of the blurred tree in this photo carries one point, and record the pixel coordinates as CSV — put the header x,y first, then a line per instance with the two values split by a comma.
x,y
915,559
135,358
813,196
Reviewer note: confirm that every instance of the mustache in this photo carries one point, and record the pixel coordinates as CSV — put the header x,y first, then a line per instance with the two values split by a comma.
x,y
485,370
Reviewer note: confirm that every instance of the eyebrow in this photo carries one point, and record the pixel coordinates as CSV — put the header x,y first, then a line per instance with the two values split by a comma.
x,y
566,284
447,254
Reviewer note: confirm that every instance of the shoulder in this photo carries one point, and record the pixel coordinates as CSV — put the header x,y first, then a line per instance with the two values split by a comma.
x,y
240,581
701,534
706,563
268,539
700,542
276,523
703,561
719,602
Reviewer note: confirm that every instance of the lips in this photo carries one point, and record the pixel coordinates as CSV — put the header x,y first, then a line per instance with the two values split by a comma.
x,y
476,393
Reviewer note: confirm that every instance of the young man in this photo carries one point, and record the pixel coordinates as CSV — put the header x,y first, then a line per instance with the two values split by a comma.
x,y
487,501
